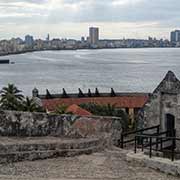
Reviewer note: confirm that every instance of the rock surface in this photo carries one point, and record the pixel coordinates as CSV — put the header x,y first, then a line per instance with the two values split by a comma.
x,y
108,165
26,124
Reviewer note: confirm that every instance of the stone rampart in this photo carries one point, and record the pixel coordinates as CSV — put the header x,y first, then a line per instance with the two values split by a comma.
x,y
26,124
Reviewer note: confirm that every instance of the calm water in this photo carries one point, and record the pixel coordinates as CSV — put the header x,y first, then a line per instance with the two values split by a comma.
x,y
129,70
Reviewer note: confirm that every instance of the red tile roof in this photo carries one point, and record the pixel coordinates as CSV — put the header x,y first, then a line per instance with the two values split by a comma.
x,y
120,101
75,109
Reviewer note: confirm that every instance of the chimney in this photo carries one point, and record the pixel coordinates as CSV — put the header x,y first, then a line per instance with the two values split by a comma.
x,y
113,94
89,93
81,94
48,95
64,94
97,93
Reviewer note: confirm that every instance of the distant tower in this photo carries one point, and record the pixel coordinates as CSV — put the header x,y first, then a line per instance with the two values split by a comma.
x,y
35,92
48,38
93,35
175,36
29,40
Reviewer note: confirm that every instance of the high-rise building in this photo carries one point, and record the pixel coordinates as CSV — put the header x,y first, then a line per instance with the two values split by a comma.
x,y
29,40
93,35
175,36
48,38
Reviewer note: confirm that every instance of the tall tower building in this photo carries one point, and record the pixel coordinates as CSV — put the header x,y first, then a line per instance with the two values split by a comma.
x,y
48,38
175,36
29,40
93,35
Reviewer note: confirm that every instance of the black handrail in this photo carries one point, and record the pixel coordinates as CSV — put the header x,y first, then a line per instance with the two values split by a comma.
x,y
122,141
157,134
158,140
140,130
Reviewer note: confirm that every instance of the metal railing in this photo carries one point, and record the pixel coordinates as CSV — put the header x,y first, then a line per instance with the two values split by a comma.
x,y
158,141
122,141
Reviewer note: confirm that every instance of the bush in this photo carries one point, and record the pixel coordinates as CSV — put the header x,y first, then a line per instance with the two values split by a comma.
x,y
107,110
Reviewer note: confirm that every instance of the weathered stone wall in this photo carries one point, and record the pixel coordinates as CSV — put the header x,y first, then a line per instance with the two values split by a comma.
x,y
151,112
164,100
13,123
157,107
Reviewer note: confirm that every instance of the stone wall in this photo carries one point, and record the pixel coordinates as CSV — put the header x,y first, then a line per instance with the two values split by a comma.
x,y
25,124
164,100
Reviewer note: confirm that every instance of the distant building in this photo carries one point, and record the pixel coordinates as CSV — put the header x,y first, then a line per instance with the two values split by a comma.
x,y
48,38
131,103
88,39
93,35
175,36
29,40
82,39
17,40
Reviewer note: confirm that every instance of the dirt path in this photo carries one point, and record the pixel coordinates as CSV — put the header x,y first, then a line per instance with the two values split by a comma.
x,y
109,165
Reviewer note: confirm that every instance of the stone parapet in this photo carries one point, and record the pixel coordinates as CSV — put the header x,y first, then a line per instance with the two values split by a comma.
x,y
26,124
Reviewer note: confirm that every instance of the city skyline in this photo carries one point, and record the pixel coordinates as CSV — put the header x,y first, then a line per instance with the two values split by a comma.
x,y
87,35
70,18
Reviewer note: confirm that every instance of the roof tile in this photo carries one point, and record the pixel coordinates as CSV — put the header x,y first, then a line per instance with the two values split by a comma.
x,y
118,101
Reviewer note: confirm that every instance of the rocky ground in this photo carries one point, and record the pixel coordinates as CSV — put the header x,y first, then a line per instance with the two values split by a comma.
x,y
108,165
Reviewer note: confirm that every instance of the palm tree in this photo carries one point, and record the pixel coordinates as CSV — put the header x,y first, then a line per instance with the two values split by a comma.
x,y
11,97
30,105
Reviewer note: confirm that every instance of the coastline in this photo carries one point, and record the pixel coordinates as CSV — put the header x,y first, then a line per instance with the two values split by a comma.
x,y
75,49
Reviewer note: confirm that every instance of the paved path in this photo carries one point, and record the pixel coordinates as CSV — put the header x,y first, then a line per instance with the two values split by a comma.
x,y
109,165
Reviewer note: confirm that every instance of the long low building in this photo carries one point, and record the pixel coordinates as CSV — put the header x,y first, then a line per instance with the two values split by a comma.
x,y
130,102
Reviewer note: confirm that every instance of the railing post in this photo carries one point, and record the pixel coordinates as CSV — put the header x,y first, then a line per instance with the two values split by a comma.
x,y
122,141
174,132
142,144
157,141
150,151
135,144
161,144
158,130
173,149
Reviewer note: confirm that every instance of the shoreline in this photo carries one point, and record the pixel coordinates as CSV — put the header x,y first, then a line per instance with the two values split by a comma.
x,y
75,49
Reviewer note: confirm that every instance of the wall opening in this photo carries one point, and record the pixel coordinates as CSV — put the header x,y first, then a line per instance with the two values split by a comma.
x,y
170,124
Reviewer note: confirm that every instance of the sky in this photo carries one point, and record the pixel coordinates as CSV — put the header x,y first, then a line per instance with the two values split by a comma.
x,y
72,18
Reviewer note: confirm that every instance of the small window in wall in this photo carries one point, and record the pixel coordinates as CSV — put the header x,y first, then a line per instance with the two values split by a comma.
x,y
170,123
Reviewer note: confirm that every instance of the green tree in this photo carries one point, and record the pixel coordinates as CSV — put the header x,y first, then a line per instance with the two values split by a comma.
x,y
107,110
11,97
31,106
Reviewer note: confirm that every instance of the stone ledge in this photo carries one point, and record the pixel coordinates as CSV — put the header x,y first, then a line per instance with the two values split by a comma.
x,y
162,164
45,144
22,149
35,155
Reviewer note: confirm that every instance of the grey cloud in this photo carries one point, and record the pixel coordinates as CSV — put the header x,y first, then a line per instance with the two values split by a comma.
x,y
99,11
27,1
104,11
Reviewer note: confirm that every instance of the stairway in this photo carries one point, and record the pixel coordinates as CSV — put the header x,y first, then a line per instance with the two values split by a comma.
x,y
13,150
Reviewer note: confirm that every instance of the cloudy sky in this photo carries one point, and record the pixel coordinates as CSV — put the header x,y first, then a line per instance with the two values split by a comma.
x,y
71,18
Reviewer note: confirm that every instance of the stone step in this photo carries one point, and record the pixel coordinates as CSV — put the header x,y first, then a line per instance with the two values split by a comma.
x,y
14,149
35,155
47,146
